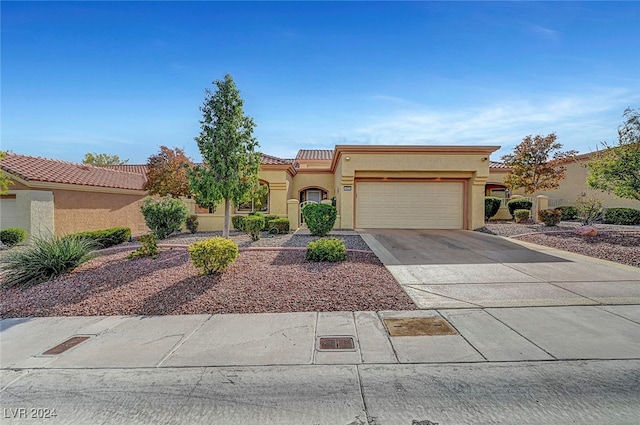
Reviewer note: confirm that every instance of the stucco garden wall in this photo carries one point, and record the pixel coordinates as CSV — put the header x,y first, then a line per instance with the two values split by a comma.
x,y
77,211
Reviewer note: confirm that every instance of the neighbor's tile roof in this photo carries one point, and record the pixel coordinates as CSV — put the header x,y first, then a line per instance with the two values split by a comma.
x,y
495,164
129,168
317,154
38,169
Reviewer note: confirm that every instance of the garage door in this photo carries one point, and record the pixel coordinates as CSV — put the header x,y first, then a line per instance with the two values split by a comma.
x,y
8,214
410,205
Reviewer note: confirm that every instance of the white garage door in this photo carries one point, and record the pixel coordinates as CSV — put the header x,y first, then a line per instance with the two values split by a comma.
x,y
8,214
410,205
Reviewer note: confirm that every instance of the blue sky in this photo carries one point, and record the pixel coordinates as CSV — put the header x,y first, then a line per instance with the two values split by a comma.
x,y
124,78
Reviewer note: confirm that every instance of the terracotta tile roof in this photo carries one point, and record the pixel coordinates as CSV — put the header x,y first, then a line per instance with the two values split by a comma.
x,y
273,160
129,168
38,169
499,165
316,154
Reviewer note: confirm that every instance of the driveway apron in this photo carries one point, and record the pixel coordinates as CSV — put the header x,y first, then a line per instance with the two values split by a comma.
x,y
465,269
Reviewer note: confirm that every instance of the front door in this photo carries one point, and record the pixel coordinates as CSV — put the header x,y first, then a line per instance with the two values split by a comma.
x,y
314,196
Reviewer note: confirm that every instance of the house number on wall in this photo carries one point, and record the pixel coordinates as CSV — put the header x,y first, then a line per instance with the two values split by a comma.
x,y
346,188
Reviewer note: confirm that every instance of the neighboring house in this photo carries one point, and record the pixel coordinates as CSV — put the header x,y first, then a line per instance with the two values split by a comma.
x,y
572,188
57,197
417,187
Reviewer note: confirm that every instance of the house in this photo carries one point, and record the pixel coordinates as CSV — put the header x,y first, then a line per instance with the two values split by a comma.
x,y
58,197
415,187
372,186
572,188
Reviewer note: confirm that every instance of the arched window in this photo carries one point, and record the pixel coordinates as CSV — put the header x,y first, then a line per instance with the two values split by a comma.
x,y
259,203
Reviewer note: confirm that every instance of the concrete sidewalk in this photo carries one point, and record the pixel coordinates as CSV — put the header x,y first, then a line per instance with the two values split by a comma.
x,y
479,335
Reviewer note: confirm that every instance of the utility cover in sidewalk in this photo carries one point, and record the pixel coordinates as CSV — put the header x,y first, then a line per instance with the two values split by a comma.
x,y
335,343
66,345
417,326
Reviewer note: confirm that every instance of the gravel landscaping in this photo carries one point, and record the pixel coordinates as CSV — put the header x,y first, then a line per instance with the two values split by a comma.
x,y
264,280
258,282
620,244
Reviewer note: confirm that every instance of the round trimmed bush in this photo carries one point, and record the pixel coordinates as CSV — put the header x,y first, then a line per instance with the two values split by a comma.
x,y
569,212
518,204
12,236
326,249
521,215
550,217
491,206
253,225
320,218
213,255
237,221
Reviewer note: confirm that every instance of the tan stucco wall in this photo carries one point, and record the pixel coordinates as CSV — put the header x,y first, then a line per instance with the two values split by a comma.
x,y
77,211
572,187
473,168
34,212
279,190
304,180
575,184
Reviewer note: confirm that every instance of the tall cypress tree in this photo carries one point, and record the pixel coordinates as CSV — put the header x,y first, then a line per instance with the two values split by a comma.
x,y
230,161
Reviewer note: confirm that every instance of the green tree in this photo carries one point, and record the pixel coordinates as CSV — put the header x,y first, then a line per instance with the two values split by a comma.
x,y
230,161
536,164
102,159
167,173
616,169
5,182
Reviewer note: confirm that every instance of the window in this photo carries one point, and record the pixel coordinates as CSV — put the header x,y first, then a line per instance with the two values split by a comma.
x,y
260,203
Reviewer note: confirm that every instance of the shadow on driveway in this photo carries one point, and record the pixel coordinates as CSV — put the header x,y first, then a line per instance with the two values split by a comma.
x,y
423,247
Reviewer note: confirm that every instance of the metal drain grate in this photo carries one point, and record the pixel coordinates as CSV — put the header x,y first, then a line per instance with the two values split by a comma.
x,y
336,343
418,326
66,345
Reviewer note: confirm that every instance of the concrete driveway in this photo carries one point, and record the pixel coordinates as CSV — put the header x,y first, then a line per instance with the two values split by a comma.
x,y
465,269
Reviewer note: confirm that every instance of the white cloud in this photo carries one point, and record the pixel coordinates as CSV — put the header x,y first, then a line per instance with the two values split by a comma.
x,y
580,120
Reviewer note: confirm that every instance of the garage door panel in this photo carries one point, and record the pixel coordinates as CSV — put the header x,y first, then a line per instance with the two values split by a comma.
x,y
410,205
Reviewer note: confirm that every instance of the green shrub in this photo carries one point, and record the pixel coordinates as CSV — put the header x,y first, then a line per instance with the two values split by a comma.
x,y
253,225
326,249
550,217
237,221
213,255
268,219
45,259
521,215
569,212
165,216
518,204
623,216
281,224
192,223
257,213
107,237
491,206
590,210
319,218
149,247
12,236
